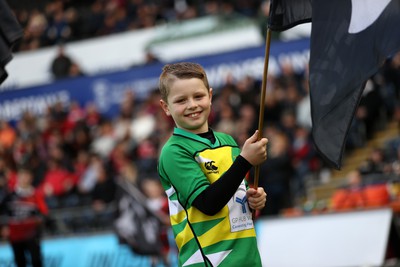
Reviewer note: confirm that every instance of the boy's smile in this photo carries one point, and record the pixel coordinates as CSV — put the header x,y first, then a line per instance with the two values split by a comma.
x,y
189,104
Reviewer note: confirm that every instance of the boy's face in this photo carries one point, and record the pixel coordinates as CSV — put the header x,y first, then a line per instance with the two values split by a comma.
x,y
189,104
24,178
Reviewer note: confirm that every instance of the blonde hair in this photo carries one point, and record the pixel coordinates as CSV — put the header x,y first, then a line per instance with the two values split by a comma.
x,y
181,70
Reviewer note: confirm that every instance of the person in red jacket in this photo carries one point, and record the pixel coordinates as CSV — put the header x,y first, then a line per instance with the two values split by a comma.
x,y
23,212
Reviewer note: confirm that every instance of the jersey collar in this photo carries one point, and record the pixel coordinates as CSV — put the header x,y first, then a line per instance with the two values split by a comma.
x,y
182,132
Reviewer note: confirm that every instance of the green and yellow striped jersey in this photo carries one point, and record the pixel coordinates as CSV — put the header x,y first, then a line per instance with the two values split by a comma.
x,y
188,164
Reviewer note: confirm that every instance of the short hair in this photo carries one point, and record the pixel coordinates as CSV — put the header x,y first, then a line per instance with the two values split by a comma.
x,y
24,168
181,70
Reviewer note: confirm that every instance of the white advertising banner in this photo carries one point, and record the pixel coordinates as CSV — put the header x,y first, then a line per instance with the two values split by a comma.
x,y
332,240
119,52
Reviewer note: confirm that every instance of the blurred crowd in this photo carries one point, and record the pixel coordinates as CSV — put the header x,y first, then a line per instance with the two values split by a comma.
x,y
48,23
77,155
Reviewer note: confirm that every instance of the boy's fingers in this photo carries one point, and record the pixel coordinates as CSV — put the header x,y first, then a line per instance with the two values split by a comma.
x,y
254,137
251,191
265,141
260,189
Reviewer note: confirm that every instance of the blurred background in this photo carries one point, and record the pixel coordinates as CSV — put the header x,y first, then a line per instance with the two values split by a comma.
x,y
80,110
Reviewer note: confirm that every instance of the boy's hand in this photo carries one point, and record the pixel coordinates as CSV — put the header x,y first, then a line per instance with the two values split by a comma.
x,y
254,150
256,198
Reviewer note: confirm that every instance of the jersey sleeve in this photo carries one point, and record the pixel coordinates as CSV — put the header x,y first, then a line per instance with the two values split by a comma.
x,y
179,169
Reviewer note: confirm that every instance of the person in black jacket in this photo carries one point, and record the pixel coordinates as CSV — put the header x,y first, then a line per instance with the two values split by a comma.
x,y
23,212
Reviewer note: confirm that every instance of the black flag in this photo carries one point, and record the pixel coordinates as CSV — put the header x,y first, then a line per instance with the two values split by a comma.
x,y
136,225
10,33
350,40
285,14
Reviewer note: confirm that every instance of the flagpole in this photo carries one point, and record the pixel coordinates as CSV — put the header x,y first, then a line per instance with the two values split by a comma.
x,y
262,103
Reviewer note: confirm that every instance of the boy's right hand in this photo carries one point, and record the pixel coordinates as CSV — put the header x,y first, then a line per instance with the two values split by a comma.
x,y
254,150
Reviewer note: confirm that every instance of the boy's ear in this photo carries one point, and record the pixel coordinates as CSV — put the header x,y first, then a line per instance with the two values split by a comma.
x,y
164,106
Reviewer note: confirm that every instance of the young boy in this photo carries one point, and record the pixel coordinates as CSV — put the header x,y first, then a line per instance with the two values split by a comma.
x,y
203,172
25,211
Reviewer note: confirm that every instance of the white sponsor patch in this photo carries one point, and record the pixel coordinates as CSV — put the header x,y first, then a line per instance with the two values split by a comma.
x,y
240,216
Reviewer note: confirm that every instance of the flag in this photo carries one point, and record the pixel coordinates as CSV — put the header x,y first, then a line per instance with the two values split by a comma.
x,y
350,40
285,14
136,224
10,33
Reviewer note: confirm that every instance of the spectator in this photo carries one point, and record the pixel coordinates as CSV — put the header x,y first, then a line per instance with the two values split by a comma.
x,y
34,31
4,173
57,183
375,164
129,174
394,160
93,117
124,119
277,173
288,124
78,138
38,166
25,210
157,201
146,155
351,195
303,157
120,156
104,140
391,72
89,174
7,134
102,195
61,64
303,109
226,121
370,107
104,190
81,163
247,120
58,29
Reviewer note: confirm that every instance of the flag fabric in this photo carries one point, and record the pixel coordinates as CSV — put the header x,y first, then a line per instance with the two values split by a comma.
x,y
285,14
10,33
136,224
350,40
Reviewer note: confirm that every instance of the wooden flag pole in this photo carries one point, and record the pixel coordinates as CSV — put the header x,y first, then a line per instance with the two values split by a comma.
x,y
262,103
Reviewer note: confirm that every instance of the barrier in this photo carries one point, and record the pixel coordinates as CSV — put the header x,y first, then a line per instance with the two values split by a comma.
x,y
357,238
90,251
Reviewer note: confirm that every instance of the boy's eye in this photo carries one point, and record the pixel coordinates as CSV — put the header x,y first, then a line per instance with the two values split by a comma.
x,y
180,100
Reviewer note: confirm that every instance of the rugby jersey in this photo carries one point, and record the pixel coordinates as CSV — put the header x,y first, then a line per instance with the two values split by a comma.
x,y
188,164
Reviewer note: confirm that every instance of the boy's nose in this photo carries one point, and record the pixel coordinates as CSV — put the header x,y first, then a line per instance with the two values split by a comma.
x,y
192,103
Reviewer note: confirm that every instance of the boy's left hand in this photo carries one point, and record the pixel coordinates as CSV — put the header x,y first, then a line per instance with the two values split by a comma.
x,y
256,198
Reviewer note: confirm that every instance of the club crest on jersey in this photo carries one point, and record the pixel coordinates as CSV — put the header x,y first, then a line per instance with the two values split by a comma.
x,y
208,164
